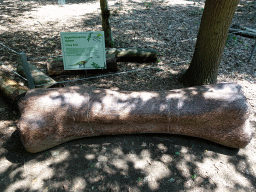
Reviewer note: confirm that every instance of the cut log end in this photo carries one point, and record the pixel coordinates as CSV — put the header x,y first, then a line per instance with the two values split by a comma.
x,y
11,90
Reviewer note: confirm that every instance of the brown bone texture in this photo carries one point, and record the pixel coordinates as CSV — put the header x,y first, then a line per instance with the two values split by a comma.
x,y
49,117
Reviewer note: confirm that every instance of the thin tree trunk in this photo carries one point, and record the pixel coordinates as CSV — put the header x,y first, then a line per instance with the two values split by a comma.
x,y
105,14
210,44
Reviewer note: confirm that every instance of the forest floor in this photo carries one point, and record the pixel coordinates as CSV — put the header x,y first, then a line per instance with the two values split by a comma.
x,y
128,162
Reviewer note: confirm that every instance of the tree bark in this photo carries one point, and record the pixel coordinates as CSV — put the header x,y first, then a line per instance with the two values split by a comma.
x,y
210,43
105,14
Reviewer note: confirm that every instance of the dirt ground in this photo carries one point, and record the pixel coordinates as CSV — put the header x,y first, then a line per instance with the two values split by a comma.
x,y
148,162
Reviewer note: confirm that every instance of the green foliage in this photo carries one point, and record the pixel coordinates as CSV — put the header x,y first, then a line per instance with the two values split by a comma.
x,y
95,65
112,43
232,40
89,37
148,5
197,12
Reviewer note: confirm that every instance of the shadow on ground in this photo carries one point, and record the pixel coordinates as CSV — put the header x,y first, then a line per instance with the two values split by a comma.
x,y
146,162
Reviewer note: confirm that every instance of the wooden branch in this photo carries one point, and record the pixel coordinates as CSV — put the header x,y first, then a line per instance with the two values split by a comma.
x,y
39,77
243,31
49,117
253,50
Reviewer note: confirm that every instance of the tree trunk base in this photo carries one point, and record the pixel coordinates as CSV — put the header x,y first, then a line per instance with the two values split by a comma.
x,y
49,117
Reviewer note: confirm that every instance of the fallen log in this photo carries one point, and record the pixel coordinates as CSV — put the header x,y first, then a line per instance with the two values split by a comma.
x,y
133,54
113,55
39,77
55,66
243,31
217,112
11,89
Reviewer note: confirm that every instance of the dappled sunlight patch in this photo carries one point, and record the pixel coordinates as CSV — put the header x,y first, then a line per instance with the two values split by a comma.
x,y
180,2
154,170
166,158
118,151
79,184
101,158
60,156
39,169
90,156
183,168
213,172
57,12
32,175
5,165
162,147
74,99
120,164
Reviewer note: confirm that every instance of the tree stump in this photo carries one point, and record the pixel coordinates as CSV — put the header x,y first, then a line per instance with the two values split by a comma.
x,y
49,117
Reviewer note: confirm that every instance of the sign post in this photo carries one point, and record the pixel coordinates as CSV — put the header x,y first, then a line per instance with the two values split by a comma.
x,y
83,50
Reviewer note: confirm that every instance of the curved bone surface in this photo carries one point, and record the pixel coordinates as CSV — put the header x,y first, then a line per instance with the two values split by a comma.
x,y
49,117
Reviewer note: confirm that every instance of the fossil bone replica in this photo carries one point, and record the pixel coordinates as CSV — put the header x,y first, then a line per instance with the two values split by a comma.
x,y
218,112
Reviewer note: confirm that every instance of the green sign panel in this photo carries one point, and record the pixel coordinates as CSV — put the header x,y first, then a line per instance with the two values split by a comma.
x,y
83,50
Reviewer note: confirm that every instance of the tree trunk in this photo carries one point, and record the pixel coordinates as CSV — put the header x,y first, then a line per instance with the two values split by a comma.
x,y
210,43
105,14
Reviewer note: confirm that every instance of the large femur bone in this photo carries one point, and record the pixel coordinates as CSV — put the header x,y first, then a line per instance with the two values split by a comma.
x,y
216,112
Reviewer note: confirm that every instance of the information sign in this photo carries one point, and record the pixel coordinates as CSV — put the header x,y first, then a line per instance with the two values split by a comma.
x,y
83,50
